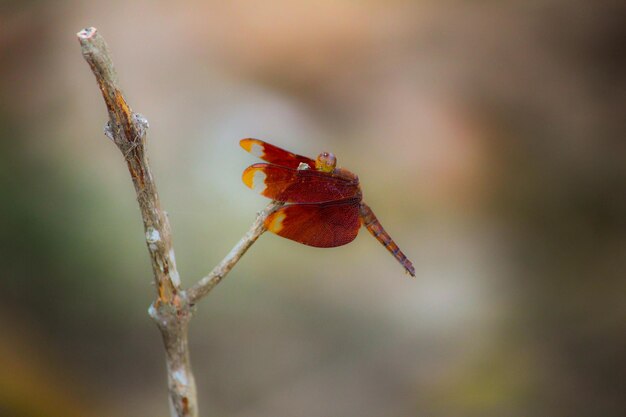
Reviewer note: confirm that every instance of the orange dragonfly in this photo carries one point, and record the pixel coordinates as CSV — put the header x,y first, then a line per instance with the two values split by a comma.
x,y
324,203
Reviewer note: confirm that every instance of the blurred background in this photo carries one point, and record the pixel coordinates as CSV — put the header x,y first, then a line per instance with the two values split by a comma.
x,y
489,140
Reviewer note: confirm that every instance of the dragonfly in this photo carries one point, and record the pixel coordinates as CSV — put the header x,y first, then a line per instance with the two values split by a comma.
x,y
324,204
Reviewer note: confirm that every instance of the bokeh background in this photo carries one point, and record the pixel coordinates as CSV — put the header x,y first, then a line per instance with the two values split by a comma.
x,y
488,137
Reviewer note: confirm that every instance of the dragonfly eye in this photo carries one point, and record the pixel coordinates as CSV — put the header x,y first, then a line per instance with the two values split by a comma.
x,y
326,162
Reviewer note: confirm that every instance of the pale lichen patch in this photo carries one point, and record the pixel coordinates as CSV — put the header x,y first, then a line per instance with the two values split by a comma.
x,y
180,377
152,235
152,311
175,277
160,264
108,131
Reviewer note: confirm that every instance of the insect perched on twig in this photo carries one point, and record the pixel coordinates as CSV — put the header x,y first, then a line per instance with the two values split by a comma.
x,y
325,205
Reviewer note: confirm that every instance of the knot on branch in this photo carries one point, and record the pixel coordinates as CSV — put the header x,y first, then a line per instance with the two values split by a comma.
x,y
115,132
171,315
127,128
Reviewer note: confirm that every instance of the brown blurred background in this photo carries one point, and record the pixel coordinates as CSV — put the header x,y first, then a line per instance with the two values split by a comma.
x,y
489,139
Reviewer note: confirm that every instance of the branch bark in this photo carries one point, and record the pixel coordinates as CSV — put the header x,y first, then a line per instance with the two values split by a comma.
x,y
128,131
207,283
173,307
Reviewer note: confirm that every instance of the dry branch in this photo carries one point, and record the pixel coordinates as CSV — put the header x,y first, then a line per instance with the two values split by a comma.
x,y
206,284
172,308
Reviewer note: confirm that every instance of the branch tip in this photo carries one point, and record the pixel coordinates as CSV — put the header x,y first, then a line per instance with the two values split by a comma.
x,y
87,33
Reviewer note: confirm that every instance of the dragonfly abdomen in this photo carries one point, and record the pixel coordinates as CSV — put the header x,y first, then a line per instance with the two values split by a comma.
x,y
371,223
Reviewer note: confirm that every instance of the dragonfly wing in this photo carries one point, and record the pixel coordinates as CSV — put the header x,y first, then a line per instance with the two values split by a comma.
x,y
325,225
298,186
274,154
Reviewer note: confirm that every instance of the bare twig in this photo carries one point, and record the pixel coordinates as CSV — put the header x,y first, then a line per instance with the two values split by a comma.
x,y
172,308
206,284
128,131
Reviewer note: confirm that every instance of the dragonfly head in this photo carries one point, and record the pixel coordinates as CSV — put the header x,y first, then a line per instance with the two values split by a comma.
x,y
326,162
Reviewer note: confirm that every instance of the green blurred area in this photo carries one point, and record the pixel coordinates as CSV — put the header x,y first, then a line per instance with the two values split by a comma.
x,y
488,137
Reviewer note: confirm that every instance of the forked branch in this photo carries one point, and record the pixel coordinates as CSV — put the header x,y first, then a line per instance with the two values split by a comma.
x,y
173,306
